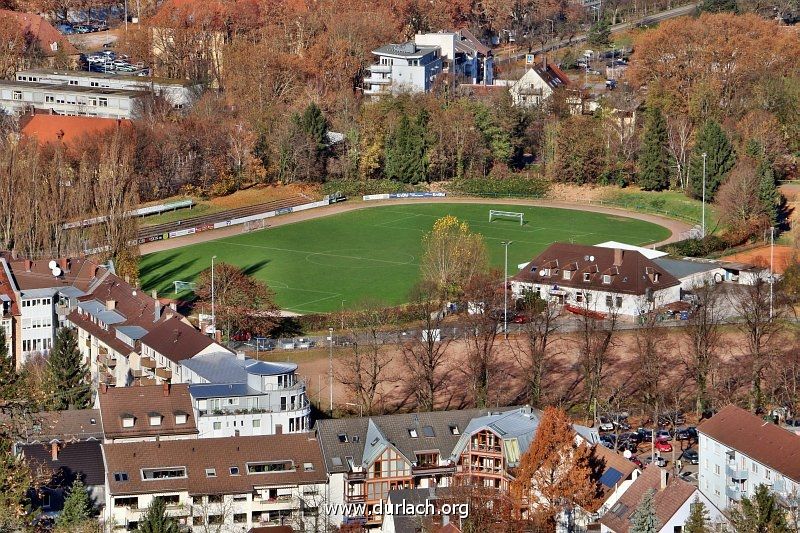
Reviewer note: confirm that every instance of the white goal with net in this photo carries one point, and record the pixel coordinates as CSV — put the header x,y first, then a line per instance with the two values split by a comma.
x,y
493,214
254,225
183,286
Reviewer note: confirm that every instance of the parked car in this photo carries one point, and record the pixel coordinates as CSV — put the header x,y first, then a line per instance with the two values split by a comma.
x,y
632,437
691,456
663,447
241,336
659,461
663,435
689,477
645,434
605,424
635,460
520,318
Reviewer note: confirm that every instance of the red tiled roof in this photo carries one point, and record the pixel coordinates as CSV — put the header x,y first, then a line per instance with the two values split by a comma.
x,y
761,441
42,30
221,454
666,501
176,340
140,402
6,289
68,129
606,459
79,272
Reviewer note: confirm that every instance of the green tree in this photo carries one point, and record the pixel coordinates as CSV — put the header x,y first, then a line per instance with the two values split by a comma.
x,y
314,124
644,518
156,519
698,518
761,514
768,194
66,381
720,158
719,6
653,157
600,33
406,151
77,507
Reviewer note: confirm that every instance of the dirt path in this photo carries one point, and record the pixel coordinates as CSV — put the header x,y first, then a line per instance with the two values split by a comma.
x,y
675,226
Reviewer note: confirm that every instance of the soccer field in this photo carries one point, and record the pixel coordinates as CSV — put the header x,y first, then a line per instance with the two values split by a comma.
x,y
315,265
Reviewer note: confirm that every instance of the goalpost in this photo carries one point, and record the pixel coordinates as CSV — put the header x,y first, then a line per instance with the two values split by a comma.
x,y
255,225
506,214
183,285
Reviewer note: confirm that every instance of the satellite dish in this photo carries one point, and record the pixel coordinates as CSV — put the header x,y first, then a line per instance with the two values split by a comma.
x,y
585,257
591,258
541,272
52,264
627,454
56,272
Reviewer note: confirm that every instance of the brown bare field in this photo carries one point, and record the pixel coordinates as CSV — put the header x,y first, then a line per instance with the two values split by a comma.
x,y
784,256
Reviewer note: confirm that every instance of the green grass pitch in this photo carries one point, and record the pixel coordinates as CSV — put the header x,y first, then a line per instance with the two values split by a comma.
x,y
374,253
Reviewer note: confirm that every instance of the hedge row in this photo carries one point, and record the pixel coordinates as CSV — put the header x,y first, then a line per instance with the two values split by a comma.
x,y
390,316
511,186
696,247
355,188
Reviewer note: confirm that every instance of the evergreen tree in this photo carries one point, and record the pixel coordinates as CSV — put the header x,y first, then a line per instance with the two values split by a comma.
x,y
8,374
653,157
600,33
759,514
156,519
768,195
77,507
719,6
314,124
644,518
698,518
66,375
720,159
405,157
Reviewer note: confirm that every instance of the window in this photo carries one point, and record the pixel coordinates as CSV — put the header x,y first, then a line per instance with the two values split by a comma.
x,y
677,529
217,425
234,470
155,419
609,301
181,418
211,472
308,467
768,473
120,476
48,98
163,473
619,301
16,95
240,518
263,468
215,498
716,469
579,297
73,82
755,468
102,102
171,499
454,430
607,279
45,500
428,431
130,501
412,433
240,497
342,437
566,274
256,422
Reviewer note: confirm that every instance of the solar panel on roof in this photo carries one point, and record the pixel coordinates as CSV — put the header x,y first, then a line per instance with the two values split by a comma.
x,y
337,461
610,477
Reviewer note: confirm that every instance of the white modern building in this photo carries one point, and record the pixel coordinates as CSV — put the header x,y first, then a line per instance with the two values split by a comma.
x,y
21,97
740,451
179,93
233,395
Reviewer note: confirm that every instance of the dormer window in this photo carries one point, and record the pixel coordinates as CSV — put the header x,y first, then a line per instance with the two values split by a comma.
x,y
587,276
412,433
656,275
127,420
181,418
546,272
607,279
155,419
343,437
567,274
454,430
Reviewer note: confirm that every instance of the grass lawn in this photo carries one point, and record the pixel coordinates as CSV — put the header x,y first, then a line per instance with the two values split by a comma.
x,y
674,204
315,265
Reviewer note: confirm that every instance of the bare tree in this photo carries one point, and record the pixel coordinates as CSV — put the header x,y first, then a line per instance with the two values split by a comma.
x,y
761,327
533,350
364,371
702,334
679,133
481,325
650,347
212,511
425,354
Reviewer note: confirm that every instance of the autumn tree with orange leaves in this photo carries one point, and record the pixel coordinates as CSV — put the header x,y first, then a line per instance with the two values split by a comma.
x,y
555,474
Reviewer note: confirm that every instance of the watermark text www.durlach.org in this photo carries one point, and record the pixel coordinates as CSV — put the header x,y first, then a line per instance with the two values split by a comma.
x,y
403,508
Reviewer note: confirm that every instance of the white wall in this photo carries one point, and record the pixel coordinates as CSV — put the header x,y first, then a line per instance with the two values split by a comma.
x,y
682,515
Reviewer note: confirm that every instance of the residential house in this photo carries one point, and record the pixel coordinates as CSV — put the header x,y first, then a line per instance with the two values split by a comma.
x,y
147,413
52,47
538,84
67,130
21,97
59,464
463,55
228,484
73,425
233,395
368,457
740,451
597,280
179,93
673,499
9,310
406,504
44,292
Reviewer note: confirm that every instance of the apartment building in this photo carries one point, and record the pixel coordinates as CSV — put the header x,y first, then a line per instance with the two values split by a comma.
x,y
37,296
740,451
23,97
228,484
147,413
179,93
234,395
597,280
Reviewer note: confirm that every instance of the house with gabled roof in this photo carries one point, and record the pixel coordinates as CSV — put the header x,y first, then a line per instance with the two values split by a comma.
x,y
538,84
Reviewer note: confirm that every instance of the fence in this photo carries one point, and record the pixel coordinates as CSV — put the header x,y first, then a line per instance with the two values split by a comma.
x,y
399,195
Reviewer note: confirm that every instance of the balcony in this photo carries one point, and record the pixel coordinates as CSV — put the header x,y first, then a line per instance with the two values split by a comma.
x,y
164,373
380,69
107,360
733,493
147,362
737,474
62,310
108,379
377,80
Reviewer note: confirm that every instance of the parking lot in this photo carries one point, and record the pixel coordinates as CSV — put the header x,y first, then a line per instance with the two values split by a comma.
x,y
108,61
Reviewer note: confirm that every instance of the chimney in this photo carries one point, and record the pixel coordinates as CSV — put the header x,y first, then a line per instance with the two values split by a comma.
x,y
54,450
544,61
111,305
28,265
62,264
14,255
664,478
617,256
103,388
165,389
278,429
240,355
157,312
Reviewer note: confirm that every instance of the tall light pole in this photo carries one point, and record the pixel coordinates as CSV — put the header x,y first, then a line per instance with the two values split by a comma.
x,y
505,288
213,304
704,195
771,271
330,365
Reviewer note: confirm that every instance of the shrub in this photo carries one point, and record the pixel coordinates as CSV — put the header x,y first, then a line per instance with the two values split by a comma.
x,y
353,188
696,247
514,185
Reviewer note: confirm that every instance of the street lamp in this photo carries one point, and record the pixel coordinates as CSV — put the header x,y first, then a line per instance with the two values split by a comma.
x,y
771,274
360,408
704,195
330,365
213,308
505,288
